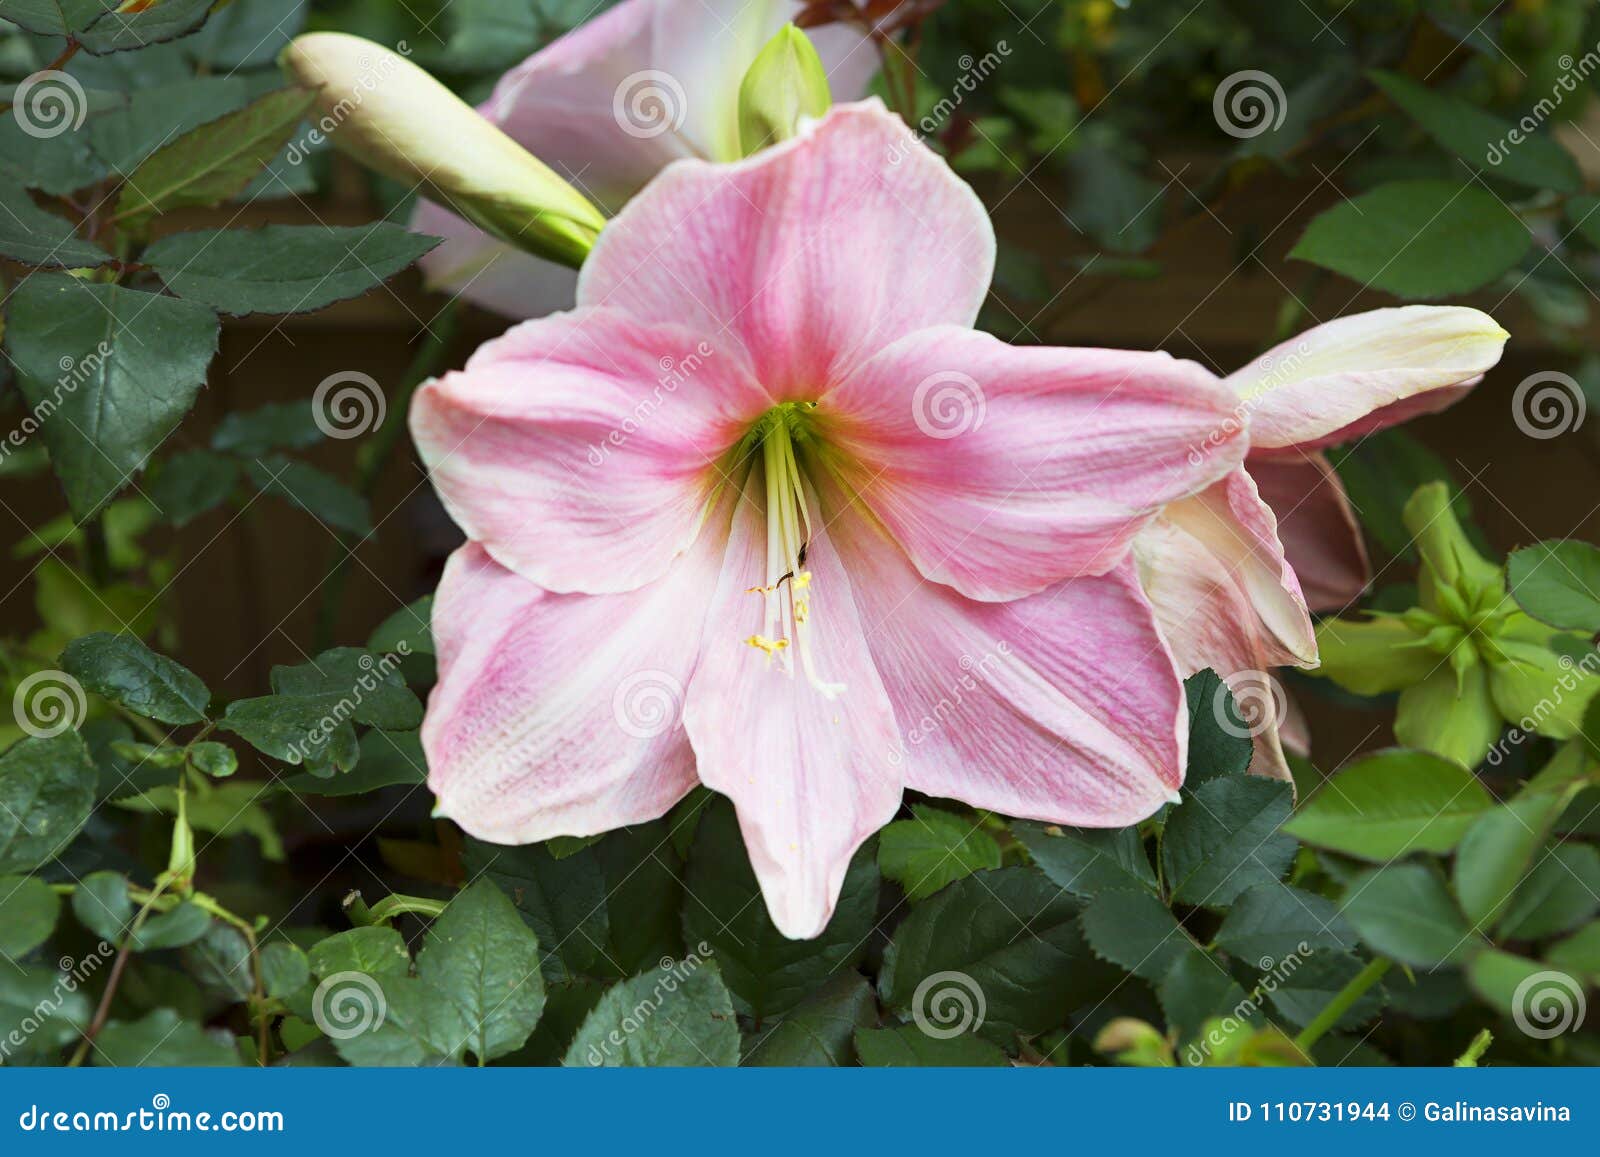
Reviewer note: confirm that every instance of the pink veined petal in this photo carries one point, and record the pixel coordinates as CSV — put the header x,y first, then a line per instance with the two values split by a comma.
x,y
814,253
1003,469
1208,619
488,272
1063,706
1355,374
810,777
580,450
1321,538
560,714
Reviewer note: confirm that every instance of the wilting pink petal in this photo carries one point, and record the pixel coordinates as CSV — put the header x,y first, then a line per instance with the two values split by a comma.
x,y
580,450
1002,469
814,254
560,714
810,775
1355,374
1321,538
1063,706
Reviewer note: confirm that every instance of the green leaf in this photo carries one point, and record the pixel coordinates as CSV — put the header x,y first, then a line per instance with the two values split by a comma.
x,y
1136,932
819,1032
225,809
1558,582
1405,911
486,960
1225,838
320,495
927,852
407,630
122,669
1305,986
1543,1003
214,759
161,1039
387,758
1417,239
211,163
55,17
768,973
297,729
153,116
1274,921
1482,139
377,695
1578,953
121,31
391,1021
909,1047
1496,851
373,951
1457,720
220,961
58,164
36,1008
1088,861
1560,893
276,426
1215,750
102,905
680,1015
114,369
1196,990
30,235
190,483
29,909
1001,950
285,969
47,789
1392,804
283,268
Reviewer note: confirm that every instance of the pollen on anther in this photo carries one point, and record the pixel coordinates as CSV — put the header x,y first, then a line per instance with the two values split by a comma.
x,y
768,646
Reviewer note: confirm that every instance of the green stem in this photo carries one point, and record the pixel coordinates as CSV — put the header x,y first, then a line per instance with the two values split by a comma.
x,y
1341,1004
389,907
1480,1045
99,553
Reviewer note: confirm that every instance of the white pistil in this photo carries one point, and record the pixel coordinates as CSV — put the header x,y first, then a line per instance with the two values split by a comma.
x,y
787,626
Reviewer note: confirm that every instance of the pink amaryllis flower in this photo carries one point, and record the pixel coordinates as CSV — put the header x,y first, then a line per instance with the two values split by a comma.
x,y
1234,570
765,513
610,104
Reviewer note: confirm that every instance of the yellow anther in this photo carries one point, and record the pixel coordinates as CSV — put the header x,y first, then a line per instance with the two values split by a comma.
x,y
802,580
769,646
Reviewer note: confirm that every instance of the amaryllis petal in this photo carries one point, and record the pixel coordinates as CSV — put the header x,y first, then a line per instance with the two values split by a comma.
x,y
814,253
1002,469
560,714
1320,536
1354,374
580,450
1062,707
810,773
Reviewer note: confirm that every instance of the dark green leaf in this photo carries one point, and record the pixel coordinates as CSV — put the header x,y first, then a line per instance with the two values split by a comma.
x,y
1560,893
284,968
406,631
55,17
34,237
320,495
376,694
374,951
925,853
35,1009
1225,838
29,909
190,483
154,116
161,1039
1558,582
297,729
819,1031
1087,861
1302,991
120,31
1273,921
391,1021
276,426
1196,990
1405,911
387,758
122,669
1215,750
47,788
1136,932
681,1014
909,1047
214,759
